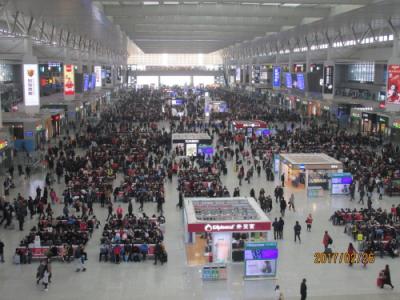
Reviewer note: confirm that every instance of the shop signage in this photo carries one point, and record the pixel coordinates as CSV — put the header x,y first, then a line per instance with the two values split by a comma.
x,y
191,141
31,85
393,84
356,115
383,120
97,71
305,102
230,227
69,80
365,116
29,133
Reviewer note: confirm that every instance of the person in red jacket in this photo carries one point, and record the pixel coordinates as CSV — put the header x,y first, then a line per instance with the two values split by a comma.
x,y
327,240
120,212
309,221
117,253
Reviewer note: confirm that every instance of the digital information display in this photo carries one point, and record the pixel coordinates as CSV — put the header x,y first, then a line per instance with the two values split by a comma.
x,y
300,81
260,259
289,82
276,77
340,183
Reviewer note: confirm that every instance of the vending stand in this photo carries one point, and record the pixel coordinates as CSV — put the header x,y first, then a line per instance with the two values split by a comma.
x,y
249,128
193,144
260,260
309,170
217,229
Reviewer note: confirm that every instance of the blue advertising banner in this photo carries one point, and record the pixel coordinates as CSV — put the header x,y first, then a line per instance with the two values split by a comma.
x,y
276,82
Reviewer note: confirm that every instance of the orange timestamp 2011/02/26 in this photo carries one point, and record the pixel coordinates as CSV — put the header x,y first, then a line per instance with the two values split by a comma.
x,y
344,258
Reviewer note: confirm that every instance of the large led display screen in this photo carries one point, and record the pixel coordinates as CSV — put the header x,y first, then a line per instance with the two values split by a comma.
x,y
31,85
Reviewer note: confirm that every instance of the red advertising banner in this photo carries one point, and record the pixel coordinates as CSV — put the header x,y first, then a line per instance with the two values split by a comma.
x,y
231,227
393,84
69,80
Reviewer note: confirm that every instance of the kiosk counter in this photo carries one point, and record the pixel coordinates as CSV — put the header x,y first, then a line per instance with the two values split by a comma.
x,y
217,229
192,144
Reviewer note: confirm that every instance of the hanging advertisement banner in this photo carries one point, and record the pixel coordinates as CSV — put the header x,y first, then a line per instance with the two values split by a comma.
x,y
31,85
69,81
97,71
328,79
276,75
393,84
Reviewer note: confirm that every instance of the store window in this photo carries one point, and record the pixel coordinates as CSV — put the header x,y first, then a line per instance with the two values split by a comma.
x,y
364,72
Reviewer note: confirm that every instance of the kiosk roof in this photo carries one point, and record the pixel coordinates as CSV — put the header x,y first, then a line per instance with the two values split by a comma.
x,y
309,159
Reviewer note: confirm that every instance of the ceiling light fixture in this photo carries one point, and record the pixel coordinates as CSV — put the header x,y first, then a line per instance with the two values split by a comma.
x,y
151,3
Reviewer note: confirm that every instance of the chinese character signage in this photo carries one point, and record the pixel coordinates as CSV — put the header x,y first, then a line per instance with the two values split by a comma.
x,y
31,85
69,81
276,75
232,227
393,84
97,71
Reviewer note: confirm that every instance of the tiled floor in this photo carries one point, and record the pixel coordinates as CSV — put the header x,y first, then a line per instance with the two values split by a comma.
x,y
175,280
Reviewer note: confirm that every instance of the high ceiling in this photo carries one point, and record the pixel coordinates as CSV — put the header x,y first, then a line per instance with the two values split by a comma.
x,y
204,26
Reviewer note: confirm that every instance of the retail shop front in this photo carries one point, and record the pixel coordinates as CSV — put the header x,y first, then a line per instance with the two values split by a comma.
x,y
395,129
192,144
311,171
218,229
26,133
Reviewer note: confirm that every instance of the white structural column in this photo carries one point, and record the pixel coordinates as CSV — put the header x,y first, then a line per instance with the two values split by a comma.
x,y
308,62
30,77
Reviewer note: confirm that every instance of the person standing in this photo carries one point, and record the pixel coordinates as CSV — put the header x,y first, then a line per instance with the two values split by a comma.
x,y
297,230
110,211
386,278
1,251
283,180
327,240
291,202
351,251
130,208
280,231
45,279
309,221
303,289
283,206
275,226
